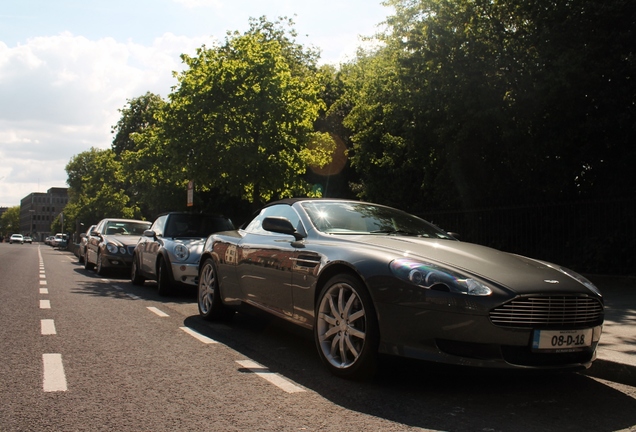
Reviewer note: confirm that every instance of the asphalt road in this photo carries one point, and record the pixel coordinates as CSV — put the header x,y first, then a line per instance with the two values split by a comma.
x,y
82,352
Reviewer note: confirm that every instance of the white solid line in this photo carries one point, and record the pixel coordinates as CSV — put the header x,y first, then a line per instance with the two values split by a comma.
x,y
197,335
45,304
53,372
273,378
157,311
44,291
47,327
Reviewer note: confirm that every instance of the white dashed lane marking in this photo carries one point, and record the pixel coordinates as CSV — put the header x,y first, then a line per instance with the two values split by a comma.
x,y
54,378
158,312
44,291
45,304
273,378
47,327
198,336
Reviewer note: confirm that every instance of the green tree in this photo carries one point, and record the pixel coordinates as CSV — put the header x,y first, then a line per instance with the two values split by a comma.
x,y
241,118
489,103
10,221
154,179
137,116
97,188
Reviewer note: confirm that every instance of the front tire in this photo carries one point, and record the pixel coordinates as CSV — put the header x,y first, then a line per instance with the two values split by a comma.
x,y
99,266
346,328
164,284
211,306
87,264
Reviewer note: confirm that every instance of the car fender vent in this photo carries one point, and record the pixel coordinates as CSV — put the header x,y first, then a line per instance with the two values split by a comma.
x,y
549,311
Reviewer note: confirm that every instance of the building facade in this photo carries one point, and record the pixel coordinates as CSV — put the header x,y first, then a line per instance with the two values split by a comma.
x,y
38,210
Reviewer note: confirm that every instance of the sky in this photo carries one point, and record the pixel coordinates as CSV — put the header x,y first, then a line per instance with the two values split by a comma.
x,y
68,66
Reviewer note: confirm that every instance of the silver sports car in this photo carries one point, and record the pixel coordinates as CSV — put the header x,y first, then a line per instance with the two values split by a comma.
x,y
370,279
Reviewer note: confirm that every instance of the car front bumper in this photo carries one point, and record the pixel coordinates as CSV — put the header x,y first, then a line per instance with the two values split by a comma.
x,y
458,330
185,273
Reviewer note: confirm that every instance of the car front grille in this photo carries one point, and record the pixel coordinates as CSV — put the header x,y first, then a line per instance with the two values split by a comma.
x,y
552,311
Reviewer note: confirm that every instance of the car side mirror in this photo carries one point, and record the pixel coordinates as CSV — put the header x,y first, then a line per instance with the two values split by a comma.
x,y
281,225
149,233
453,234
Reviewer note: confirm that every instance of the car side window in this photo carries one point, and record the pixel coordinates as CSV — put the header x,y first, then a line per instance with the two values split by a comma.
x,y
280,210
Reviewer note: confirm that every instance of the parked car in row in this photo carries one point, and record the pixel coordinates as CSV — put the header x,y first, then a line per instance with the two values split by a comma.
x,y
59,241
370,279
81,248
169,252
111,244
16,238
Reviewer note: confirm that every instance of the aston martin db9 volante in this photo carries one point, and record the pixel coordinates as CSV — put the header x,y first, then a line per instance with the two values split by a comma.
x,y
370,279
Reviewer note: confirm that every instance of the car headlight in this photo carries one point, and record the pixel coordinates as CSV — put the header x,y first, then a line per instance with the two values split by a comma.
x,y
181,252
582,280
111,248
428,275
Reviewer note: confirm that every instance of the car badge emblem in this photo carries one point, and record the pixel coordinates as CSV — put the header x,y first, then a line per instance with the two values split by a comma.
x,y
551,281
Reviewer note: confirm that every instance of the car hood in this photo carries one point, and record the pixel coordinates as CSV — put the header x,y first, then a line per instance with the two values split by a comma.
x,y
123,240
518,273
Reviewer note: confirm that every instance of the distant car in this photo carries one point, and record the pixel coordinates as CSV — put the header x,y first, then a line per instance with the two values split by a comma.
x,y
169,252
49,240
371,279
16,238
81,249
59,241
28,239
111,244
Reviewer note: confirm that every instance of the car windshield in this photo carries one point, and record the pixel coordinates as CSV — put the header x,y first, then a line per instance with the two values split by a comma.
x,y
334,217
195,225
126,228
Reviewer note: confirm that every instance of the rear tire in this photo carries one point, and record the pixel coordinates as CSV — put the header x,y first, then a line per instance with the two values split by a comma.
x,y
211,306
135,277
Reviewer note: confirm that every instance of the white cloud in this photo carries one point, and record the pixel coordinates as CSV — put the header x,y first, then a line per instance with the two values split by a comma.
x,y
190,4
61,94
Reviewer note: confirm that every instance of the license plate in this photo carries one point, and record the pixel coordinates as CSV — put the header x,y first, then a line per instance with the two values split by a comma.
x,y
561,340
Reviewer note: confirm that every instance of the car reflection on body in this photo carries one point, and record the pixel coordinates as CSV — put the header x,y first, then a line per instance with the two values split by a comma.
x,y
170,250
111,244
369,279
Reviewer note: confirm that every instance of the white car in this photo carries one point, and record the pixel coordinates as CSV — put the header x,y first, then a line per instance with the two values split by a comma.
x,y
16,238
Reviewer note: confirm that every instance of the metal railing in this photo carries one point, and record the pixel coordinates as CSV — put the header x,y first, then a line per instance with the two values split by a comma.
x,y
597,237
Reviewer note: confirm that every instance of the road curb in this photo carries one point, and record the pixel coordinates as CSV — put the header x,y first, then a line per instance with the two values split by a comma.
x,y
613,371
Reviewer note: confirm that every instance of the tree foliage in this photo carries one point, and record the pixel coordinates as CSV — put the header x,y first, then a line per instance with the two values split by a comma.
x,y
242,115
97,188
485,102
10,221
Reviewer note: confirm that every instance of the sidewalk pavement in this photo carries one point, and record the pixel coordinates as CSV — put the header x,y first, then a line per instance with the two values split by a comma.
x,y
616,352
